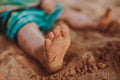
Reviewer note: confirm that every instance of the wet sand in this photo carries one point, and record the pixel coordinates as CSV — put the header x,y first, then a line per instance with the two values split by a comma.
x,y
93,55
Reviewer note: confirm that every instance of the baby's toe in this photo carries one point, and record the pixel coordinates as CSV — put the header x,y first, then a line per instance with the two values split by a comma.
x,y
48,43
51,35
65,30
57,31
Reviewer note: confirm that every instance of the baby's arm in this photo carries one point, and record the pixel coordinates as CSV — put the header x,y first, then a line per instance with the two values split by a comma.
x,y
47,5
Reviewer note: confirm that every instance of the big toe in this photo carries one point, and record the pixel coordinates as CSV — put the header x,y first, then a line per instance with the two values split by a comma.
x,y
51,35
57,31
48,43
65,30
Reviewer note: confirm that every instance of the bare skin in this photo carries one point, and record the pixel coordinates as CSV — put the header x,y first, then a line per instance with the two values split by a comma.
x,y
49,51
78,20
50,5
105,20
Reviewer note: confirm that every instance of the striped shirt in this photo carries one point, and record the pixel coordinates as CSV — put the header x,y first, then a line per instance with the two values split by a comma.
x,y
16,4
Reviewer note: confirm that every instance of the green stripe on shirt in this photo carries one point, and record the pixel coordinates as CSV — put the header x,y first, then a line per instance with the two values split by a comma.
x,y
18,2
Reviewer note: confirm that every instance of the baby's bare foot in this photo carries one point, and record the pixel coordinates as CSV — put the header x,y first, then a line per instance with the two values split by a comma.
x,y
57,43
105,20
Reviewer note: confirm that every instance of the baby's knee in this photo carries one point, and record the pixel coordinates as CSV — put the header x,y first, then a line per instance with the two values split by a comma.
x,y
47,5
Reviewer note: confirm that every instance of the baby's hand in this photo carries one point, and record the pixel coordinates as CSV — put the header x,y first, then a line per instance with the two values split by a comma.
x,y
47,5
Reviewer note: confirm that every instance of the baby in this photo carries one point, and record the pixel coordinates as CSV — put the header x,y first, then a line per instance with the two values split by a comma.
x,y
26,21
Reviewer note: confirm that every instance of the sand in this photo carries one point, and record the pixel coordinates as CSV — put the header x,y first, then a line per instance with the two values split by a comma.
x,y
93,55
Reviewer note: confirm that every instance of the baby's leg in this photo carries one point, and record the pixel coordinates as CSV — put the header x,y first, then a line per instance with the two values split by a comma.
x,y
49,51
78,20
47,5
